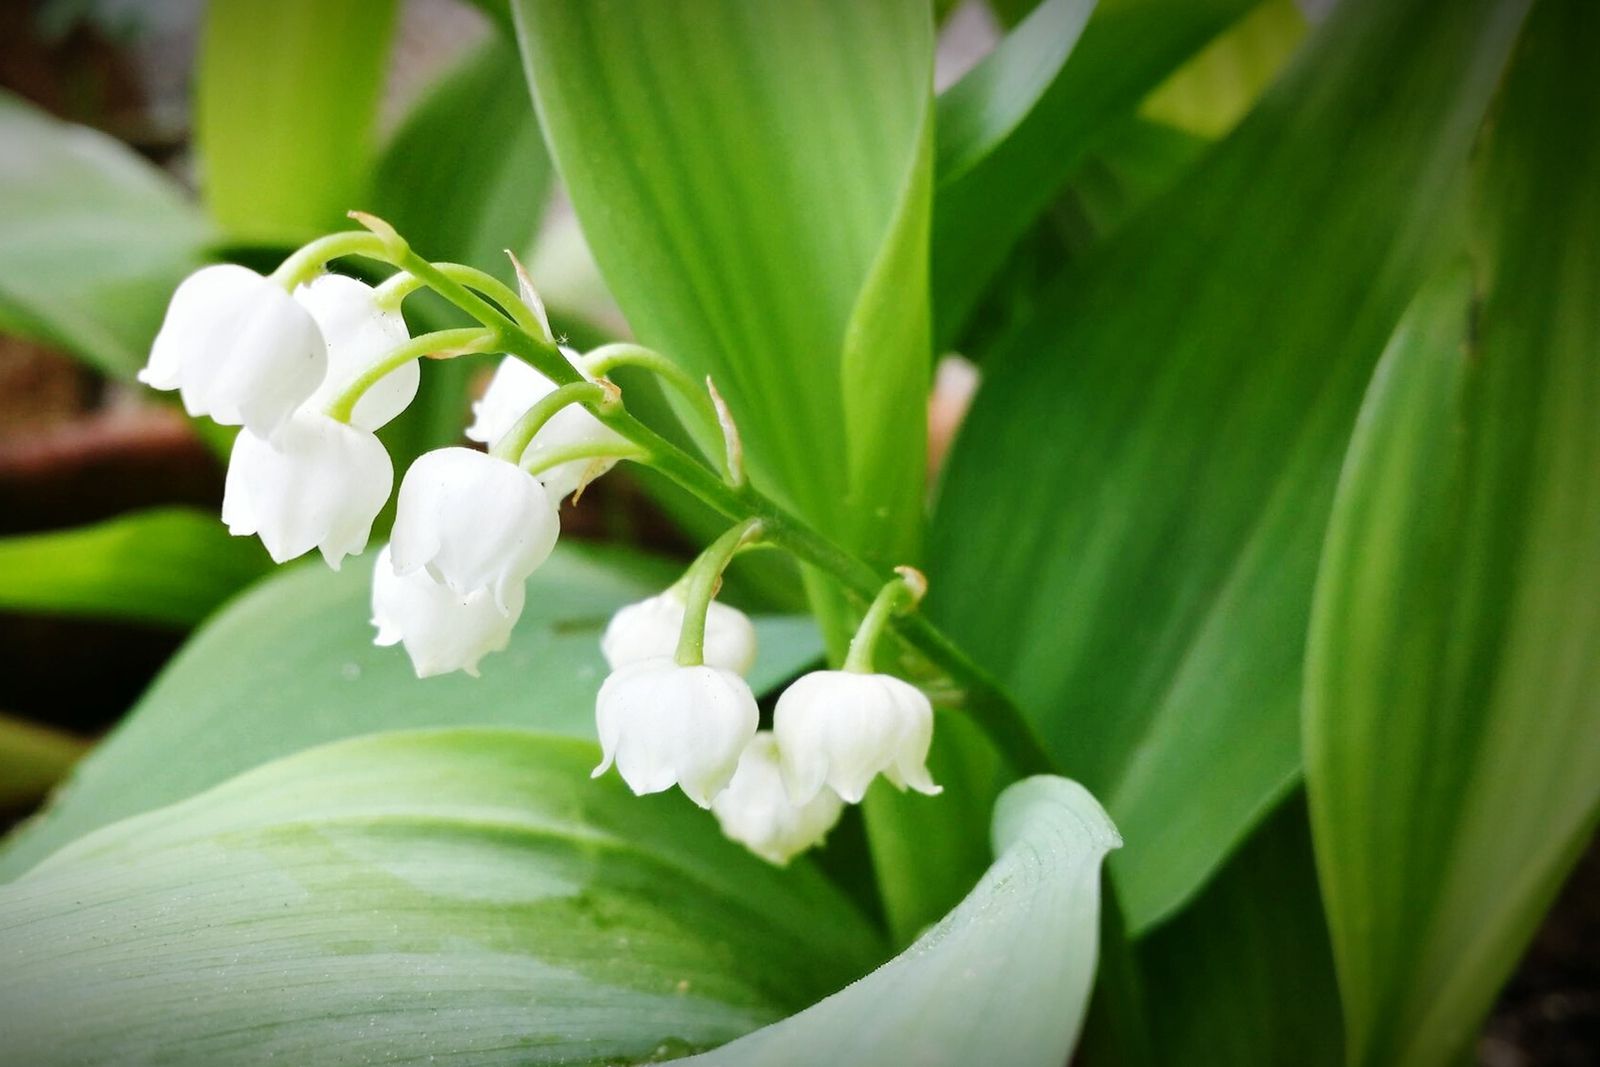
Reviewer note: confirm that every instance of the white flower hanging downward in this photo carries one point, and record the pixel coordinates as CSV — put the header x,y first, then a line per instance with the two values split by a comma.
x,y
514,389
473,522
841,729
359,333
442,630
317,483
238,348
663,724
755,809
650,628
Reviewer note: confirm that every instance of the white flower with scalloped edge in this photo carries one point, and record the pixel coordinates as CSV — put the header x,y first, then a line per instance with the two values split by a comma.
x,y
473,521
442,630
514,389
317,483
663,725
238,348
649,629
841,729
755,809
359,333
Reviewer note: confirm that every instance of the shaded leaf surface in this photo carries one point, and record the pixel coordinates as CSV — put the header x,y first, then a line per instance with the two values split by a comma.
x,y
1178,412
1452,717
293,665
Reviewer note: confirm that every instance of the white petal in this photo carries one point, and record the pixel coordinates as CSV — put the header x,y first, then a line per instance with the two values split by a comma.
x,y
842,729
650,629
316,484
358,334
442,630
514,389
663,724
473,521
238,348
755,809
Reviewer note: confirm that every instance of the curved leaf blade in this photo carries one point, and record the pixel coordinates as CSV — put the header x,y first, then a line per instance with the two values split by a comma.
x,y
292,664
405,896
92,239
1455,641
1004,978
1180,446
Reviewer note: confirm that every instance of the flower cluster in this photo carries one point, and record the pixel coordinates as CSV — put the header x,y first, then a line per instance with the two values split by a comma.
x,y
309,371
309,375
663,722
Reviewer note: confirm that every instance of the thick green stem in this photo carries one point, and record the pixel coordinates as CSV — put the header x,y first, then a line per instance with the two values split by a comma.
x,y
516,440
466,340
392,293
701,586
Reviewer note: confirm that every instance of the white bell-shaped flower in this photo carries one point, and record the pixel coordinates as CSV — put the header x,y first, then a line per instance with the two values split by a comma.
x,y
665,725
755,809
841,729
238,348
514,389
649,629
473,522
358,334
442,630
317,483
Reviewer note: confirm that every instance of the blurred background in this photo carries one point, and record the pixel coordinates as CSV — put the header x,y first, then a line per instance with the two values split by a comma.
x,y
96,471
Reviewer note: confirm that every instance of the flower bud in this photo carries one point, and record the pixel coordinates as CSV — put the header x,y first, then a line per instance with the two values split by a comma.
x,y
358,334
666,725
473,522
842,729
317,483
442,630
237,348
755,809
514,389
649,629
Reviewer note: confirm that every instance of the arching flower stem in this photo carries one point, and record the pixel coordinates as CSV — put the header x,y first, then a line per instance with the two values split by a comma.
x,y
701,582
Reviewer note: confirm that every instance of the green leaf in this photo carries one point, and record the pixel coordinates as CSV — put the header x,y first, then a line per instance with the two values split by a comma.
x,y
286,98
753,181
293,665
1243,976
990,190
1003,979
92,239
1453,676
1177,414
1208,95
465,177
468,894
166,565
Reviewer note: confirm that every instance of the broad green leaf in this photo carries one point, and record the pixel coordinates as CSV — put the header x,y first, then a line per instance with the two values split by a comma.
x,y
1175,418
466,894
286,98
292,665
1453,678
753,181
1002,979
1243,976
989,191
167,565
92,239
465,177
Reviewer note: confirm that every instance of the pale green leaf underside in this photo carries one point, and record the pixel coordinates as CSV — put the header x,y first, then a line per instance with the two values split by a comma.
x,y
92,239
1002,979
293,665
1452,710
405,897
1177,414
168,565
